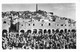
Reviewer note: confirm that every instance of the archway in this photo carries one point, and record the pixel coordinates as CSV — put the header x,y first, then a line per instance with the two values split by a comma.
x,y
73,30
45,31
40,31
52,30
17,35
61,31
69,30
22,31
65,30
28,31
35,31
57,30
4,33
49,31
4,22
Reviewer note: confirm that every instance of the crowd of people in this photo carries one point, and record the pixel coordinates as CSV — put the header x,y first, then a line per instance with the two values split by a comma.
x,y
26,40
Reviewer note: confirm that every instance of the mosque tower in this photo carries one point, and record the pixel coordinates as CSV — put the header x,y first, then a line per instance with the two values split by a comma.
x,y
36,7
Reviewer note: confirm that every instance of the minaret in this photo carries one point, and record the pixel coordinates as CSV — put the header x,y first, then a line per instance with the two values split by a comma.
x,y
36,7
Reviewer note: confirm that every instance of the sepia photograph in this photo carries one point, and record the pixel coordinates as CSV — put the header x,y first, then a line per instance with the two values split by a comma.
x,y
39,26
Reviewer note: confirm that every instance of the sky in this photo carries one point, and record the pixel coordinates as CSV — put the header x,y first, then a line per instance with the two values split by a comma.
x,y
67,10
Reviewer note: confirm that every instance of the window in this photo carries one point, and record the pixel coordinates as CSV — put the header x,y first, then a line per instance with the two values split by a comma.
x,y
38,20
22,25
4,22
33,24
61,24
49,24
54,20
41,24
57,24
29,24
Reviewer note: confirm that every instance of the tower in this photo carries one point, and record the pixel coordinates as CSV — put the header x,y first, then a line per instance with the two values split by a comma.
x,y
36,7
